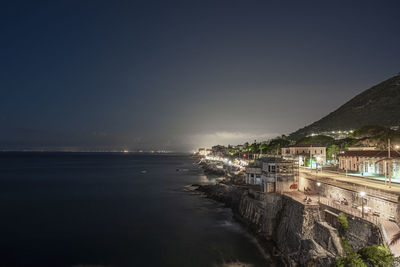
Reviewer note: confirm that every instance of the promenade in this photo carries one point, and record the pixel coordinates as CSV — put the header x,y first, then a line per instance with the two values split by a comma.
x,y
371,187
351,179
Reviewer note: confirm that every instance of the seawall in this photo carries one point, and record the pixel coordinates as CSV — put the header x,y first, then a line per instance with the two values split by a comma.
x,y
300,232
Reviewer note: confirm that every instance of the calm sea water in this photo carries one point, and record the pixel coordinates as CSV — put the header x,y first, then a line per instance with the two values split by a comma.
x,y
67,209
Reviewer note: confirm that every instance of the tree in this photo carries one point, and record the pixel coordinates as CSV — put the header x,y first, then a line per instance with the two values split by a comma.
x,y
254,148
319,139
332,152
395,238
376,255
263,147
276,144
350,260
343,223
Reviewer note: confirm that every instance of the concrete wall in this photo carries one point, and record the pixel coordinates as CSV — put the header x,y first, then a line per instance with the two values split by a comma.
x,y
359,233
385,207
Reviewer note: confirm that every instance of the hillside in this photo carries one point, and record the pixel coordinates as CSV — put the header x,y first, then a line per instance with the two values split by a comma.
x,y
379,105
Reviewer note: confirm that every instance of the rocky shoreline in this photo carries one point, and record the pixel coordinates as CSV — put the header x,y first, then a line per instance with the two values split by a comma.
x,y
290,232
285,246
231,195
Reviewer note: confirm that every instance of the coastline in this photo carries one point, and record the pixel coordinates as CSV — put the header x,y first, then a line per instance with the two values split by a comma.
x,y
227,192
269,219
292,231
230,195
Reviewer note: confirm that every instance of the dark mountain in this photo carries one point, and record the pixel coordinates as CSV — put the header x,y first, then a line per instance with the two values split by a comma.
x,y
379,105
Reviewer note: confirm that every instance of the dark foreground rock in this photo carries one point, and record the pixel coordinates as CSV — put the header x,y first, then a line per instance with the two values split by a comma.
x,y
296,232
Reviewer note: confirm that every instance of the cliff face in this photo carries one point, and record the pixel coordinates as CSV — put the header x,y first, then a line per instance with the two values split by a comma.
x,y
300,233
296,229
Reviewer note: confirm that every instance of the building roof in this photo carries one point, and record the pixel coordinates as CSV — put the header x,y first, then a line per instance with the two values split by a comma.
x,y
370,153
305,145
275,160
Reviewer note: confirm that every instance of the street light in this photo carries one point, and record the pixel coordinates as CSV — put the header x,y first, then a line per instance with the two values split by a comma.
x,y
362,194
319,163
319,195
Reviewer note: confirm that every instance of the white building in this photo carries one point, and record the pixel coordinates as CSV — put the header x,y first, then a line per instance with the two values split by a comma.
x,y
253,175
317,152
275,174
371,162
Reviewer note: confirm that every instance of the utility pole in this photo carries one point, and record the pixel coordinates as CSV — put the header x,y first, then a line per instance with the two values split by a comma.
x,y
390,165
385,170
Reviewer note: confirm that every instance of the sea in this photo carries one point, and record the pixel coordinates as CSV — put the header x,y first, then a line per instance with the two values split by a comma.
x,y
115,209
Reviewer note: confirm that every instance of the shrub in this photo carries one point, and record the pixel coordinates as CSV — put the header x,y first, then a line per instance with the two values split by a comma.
x,y
343,223
376,255
352,259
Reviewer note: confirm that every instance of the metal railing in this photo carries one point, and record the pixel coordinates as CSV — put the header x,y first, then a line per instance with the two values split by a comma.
x,y
351,211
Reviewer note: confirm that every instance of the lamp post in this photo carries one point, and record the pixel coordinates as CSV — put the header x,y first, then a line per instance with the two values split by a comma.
x,y
319,163
362,194
319,195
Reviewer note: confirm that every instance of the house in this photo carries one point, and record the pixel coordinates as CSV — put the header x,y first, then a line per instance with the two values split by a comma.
x,y
371,162
253,175
301,152
274,174
279,174
219,151
204,151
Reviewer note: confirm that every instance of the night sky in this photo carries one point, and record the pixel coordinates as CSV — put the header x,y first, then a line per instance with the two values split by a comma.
x,y
176,75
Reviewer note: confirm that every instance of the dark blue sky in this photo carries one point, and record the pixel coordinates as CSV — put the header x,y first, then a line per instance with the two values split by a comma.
x,y
178,74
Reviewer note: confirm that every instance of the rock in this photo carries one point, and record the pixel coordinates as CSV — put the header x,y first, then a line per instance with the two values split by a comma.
x,y
296,230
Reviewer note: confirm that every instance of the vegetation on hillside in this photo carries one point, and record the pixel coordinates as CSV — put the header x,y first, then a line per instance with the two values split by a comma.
x,y
378,105
370,135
